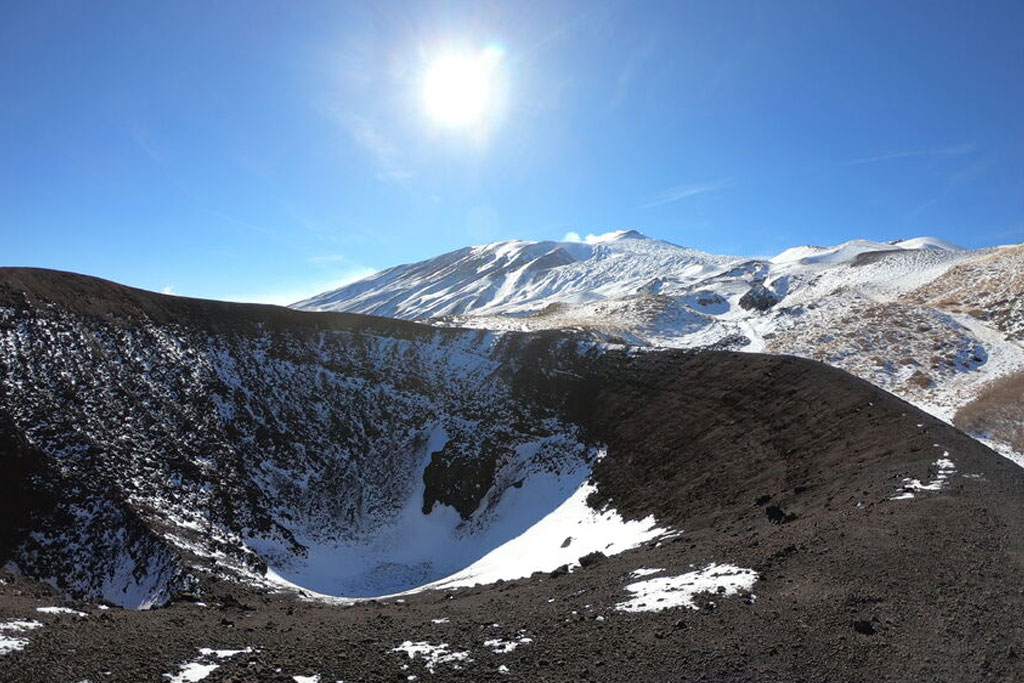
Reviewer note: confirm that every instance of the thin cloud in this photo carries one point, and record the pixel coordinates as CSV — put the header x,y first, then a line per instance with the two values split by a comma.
x,y
242,224
286,297
396,175
327,258
681,192
628,72
338,265
951,151
142,140
923,206
594,15
390,168
970,173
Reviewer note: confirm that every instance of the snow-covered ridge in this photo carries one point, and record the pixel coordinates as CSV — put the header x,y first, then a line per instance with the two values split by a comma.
x,y
848,251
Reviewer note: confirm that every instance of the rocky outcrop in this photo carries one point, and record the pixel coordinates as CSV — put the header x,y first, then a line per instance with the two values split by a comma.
x,y
758,298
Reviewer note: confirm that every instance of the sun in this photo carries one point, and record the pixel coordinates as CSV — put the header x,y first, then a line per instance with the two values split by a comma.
x,y
461,89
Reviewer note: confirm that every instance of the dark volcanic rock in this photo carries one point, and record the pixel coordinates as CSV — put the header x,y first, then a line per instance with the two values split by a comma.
x,y
777,515
864,627
758,297
461,474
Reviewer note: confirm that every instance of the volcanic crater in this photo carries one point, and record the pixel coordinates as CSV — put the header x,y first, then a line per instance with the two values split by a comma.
x,y
199,456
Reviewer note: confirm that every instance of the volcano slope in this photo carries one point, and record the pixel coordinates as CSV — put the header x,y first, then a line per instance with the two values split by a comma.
x,y
164,452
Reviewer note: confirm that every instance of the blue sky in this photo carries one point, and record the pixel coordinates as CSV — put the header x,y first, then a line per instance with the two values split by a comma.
x,y
257,150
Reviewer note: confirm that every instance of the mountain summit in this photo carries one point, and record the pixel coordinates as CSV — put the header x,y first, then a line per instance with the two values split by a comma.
x,y
519,277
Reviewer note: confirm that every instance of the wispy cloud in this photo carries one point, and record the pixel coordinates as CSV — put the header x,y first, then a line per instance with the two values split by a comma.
x,y
395,175
142,140
390,166
294,294
593,16
327,259
169,289
632,66
950,151
685,191
243,224
972,172
923,206
338,265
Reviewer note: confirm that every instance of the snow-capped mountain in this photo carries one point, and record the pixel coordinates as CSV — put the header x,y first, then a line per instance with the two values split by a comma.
x,y
517,277
871,308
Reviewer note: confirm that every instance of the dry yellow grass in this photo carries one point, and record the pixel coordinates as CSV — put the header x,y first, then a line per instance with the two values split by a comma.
x,y
998,412
989,288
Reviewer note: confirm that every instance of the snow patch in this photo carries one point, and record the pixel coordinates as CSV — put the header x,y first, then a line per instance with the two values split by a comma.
x,y
203,665
665,592
944,469
501,646
644,571
540,548
190,672
434,655
61,610
222,654
11,643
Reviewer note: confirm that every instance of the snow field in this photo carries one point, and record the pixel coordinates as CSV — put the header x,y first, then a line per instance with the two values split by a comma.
x,y
541,525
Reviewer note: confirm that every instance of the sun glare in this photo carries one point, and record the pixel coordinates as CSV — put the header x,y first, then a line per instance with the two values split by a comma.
x,y
460,89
